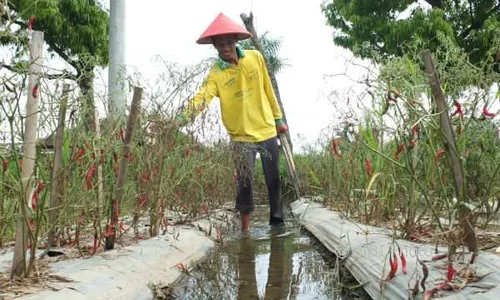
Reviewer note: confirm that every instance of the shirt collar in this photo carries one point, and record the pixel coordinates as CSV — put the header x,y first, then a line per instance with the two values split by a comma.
x,y
224,64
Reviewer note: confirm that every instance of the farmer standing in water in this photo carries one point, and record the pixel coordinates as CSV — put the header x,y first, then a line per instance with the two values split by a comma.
x,y
250,113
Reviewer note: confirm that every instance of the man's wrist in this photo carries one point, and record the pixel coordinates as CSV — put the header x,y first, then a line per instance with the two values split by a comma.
x,y
278,122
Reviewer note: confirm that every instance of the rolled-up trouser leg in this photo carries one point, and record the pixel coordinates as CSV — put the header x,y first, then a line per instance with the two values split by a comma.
x,y
269,151
245,164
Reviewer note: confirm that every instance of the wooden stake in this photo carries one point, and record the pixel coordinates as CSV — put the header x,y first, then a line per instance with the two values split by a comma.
x,y
29,153
122,171
57,173
450,146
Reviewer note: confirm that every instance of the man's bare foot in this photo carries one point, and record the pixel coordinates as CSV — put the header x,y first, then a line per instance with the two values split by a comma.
x,y
245,223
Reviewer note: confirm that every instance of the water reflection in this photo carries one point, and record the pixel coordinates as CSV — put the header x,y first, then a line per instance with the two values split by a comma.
x,y
267,265
279,271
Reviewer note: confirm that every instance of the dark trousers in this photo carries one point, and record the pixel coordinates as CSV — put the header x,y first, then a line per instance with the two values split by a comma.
x,y
245,155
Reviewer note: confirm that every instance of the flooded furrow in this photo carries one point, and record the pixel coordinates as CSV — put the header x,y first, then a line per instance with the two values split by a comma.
x,y
280,263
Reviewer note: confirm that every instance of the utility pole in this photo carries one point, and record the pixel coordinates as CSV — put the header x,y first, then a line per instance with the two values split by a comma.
x,y
116,78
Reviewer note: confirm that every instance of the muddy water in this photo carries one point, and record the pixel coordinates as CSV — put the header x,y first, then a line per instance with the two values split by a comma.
x,y
284,263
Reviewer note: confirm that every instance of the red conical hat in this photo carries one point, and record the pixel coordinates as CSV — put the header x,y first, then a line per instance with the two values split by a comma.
x,y
220,26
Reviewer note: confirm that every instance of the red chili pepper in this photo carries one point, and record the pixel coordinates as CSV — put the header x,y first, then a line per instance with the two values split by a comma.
x,y
79,153
401,147
458,109
188,153
450,273
335,148
438,155
394,267
31,21
5,164
414,129
395,262
34,199
143,199
122,134
90,175
145,177
439,257
368,164
403,260
412,144
34,92
488,114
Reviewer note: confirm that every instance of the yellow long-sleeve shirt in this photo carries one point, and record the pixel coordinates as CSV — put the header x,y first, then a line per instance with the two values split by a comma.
x,y
249,107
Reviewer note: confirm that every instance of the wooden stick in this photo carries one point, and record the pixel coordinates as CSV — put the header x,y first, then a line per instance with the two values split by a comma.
x,y
132,120
29,153
451,150
57,172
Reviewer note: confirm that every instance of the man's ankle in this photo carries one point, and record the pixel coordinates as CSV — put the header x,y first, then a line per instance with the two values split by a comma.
x,y
245,222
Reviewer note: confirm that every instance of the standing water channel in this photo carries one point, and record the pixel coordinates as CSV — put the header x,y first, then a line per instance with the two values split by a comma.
x,y
284,263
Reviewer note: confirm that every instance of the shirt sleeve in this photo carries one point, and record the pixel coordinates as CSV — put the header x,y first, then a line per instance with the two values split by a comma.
x,y
268,88
200,101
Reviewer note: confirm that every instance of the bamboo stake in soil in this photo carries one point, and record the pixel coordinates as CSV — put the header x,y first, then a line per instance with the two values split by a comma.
x,y
451,151
57,172
29,153
115,203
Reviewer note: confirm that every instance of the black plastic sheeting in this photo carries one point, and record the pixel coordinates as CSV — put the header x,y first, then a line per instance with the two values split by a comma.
x,y
364,250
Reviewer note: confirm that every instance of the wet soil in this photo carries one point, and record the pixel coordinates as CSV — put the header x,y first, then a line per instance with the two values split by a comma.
x,y
280,263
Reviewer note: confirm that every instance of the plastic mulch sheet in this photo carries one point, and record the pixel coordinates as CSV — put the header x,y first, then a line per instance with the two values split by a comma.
x,y
364,250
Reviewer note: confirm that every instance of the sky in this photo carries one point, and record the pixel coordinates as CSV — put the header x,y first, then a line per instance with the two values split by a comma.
x,y
159,28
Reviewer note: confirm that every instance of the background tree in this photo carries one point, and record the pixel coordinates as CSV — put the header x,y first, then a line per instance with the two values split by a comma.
x,y
270,47
76,30
380,29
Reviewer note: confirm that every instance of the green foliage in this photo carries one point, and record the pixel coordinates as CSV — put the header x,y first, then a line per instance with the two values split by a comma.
x,y
77,30
271,47
380,29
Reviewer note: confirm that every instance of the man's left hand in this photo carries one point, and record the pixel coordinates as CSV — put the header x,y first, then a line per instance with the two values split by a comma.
x,y
282,128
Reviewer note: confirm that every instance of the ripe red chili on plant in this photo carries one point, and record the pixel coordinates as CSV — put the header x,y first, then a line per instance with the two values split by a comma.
x,y
90,175
30,23
335,148
414,129
401,148
36,195
458,109
368,164
450,272
34,93
438,155
488,114
5,164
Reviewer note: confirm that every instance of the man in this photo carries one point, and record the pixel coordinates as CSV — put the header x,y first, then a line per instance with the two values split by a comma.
x,y
250,113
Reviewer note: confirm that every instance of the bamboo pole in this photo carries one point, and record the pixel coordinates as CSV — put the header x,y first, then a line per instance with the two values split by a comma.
x,y
122,171
57,172
450,146
29,153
